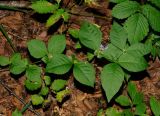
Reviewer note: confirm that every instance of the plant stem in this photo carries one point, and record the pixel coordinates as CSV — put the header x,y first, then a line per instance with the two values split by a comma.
x,y
26,107
6,36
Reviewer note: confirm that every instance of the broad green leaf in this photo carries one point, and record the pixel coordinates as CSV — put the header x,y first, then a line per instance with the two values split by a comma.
x,y
155,2
33,72
117,1
118,36
137,28
47,80
44,91
74,33
155,106
84,73
138,98
131,90
127,112
138,49
61,95
125,9
16,113
140,109
33,85
55,17
37,99
132,63
44,7
17,67
15,57
56,44
112,112
90,36
153,16
58,84
4,61
112,53
112,77
59,64
37,48
123,100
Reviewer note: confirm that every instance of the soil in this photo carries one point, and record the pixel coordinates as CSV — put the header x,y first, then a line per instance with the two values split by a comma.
x,y
82,101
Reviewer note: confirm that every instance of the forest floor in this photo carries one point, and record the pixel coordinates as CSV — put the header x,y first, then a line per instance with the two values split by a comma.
x,y
22,27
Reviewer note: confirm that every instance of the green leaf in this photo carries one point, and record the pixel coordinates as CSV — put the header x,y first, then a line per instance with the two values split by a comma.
x,y
56,44
55,17
17,67
33,72
132,63
16,113
84,73
44,91
131,90
59,64
118,36
74,33
127,112
155,106
4,61
112,53
37,48
44,7
61,95
15,57
123,100
78,45
112,77
47,80
37,99
155,2
58,84
137,28
33,85
125,9
117,1
65,16
138,98
90,35
140,109
112,112
138,49
153,16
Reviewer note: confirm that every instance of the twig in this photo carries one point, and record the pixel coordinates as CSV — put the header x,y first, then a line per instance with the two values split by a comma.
x,y
6,36
4,7
20,99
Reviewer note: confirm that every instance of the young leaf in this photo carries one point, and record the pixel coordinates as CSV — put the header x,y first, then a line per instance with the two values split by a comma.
x,y
155,2
4,61
112,77
33,85
138,98
62,94
55,17
44,7
59,64
16,113
117,1
90,35
37,48
131,90
123,100
112,53
47,80
17,67
37,99
125,9
65,16
84,73
155,106
137,28
112,112
58,84
118,36
56,44
138,49
153,16
33,72
140,109
44,91
74,33
132,63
